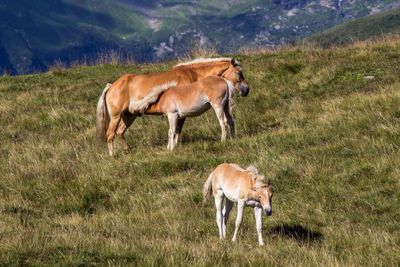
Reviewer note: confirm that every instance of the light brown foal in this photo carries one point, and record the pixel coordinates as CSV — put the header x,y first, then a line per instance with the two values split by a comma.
x,y
191,100
243,186
180,102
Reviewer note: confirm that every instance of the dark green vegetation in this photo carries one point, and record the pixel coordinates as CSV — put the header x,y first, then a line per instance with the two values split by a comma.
x,y
35,34
326,136
370,27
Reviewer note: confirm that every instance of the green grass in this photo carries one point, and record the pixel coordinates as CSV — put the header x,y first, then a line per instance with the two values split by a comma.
x,y
326,137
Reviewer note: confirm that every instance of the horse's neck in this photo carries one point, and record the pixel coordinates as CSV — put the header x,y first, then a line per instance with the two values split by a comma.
x,y
215,69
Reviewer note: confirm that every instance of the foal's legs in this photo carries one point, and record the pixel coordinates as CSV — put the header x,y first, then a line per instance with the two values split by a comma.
x,y
178,129
225,214
219,197
219,111
126,121
238,221
173,120
114,121
258,217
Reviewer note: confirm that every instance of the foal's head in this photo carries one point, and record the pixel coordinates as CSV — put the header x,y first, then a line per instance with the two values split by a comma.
x,y
235,74
265,194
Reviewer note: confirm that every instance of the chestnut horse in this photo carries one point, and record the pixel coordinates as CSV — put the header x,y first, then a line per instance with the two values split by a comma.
x,y
191,100
130,95
246,187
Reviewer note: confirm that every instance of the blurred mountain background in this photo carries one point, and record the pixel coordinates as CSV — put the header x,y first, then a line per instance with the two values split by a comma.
x,y
37,34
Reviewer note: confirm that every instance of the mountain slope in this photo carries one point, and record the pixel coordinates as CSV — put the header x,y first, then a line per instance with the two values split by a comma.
x,y
327,137
36,33
360,29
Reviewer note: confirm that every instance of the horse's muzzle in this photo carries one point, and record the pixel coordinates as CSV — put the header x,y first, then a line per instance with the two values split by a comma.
x,y
244,89
268,212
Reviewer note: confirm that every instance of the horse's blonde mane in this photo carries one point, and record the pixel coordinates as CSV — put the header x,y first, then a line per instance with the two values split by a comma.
x,y
202,61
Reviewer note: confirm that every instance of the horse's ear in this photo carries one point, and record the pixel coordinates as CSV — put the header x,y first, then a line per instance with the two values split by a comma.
x,y
234,62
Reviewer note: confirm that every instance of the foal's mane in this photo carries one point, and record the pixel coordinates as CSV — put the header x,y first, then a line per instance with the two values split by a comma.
x,y
259,180
199,61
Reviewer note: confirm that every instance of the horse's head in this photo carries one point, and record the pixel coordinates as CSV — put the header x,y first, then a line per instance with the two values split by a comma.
x,y
234,73
265,196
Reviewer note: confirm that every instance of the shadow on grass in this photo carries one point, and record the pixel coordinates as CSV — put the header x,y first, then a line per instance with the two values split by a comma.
x,y
302,235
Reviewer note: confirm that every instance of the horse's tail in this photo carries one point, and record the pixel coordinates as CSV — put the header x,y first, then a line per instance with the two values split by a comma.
x,y
102,116
231,100
207,187
142,105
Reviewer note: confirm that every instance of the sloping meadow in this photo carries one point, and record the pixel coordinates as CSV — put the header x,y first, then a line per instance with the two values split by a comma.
x,y
322,125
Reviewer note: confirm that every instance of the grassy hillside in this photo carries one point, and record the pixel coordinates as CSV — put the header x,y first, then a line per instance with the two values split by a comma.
x,y
370,27
326,136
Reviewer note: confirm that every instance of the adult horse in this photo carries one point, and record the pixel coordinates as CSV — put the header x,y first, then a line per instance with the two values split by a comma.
x,y
130,95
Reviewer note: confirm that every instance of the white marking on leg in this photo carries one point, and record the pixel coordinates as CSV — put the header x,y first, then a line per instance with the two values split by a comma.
x,y
239,216
258,218
218,206
173,120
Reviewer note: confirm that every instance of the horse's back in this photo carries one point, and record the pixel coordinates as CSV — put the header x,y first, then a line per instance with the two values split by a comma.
x,y
231,176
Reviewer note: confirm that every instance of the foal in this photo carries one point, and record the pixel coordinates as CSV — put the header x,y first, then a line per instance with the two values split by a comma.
x,y
194,99
245,187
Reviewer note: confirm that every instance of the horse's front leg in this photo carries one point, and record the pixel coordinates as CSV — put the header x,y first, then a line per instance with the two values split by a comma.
x,y
219,111
229,120
239,216
258,218
225,214
173,120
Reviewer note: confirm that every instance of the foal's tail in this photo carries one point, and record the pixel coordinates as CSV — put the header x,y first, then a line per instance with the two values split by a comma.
x,y
140,106
102,116
207,188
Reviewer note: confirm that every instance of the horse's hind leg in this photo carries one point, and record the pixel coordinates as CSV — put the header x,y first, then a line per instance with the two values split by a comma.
x,y
178,129
219,198
126,121
219,111
225,214
173,120
114,121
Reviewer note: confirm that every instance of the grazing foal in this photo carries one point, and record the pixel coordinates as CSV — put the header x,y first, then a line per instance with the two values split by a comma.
x,y
245,187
